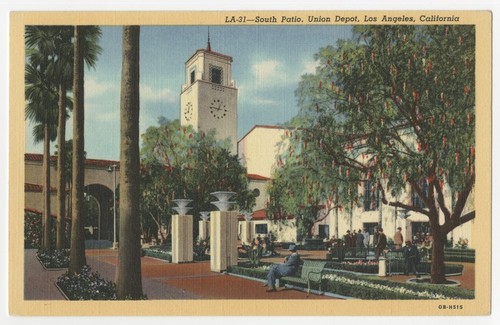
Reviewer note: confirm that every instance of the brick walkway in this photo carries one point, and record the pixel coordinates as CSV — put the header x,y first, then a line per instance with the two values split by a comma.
x,y
163,280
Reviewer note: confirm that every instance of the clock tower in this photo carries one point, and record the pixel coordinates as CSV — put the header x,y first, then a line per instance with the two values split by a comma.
x,y
209,99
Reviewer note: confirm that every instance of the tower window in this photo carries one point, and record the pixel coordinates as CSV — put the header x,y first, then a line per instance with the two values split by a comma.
x,y
191,77
216,74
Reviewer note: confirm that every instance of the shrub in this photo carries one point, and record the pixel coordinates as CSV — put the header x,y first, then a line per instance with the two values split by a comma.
x,y
200,247
86,285
56,259
32,230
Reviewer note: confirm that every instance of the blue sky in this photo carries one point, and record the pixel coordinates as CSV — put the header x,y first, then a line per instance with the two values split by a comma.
x,y
267,64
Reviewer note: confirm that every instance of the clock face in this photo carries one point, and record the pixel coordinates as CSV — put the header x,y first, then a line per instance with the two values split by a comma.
x,y
188,111
218,109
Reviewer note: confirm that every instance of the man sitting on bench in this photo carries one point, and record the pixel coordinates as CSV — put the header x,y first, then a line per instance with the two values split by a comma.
x,y
277,271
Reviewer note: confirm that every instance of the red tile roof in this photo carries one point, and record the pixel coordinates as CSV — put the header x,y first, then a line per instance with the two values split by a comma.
x,y
28,187
40,213
88,162
260,126
256,215
227,57
255,177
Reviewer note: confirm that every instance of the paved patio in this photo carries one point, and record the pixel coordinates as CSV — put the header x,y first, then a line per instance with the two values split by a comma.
x,y
162,280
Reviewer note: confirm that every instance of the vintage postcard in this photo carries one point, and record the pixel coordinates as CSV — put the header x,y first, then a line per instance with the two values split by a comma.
x,y
222,163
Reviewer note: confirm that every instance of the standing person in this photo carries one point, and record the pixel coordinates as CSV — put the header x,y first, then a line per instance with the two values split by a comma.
x,y
398,239
381,244
360,239
366,240
347,239
289,267
411,257
375,236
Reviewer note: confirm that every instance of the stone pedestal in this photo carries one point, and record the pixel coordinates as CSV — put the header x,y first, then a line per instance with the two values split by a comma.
x,y
247,232
382,267
204,229
182,238
223,240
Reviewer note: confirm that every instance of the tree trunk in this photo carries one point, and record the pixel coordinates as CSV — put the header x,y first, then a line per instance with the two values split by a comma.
x,y
46,219
77,256
61,179
128,276
437,264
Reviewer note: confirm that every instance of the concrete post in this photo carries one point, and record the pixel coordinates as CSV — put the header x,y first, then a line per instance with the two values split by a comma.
x,y
382,266
223,240
182,238
204,229
246,232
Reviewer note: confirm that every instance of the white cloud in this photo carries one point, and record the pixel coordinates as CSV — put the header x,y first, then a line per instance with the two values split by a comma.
x,y
268,72
95,88
309,66
150,94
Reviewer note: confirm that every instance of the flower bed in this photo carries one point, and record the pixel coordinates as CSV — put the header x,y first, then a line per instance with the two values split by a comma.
x,y
358,266
160,252
368,287
371,267
86,285
374,288
57,259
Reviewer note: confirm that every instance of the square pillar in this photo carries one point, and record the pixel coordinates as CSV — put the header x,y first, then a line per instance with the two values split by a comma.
x,y
247,232
223,240
182,238
204,229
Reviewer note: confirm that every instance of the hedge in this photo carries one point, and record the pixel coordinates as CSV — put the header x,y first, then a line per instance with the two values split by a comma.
x,y
464,255
378,288
159,252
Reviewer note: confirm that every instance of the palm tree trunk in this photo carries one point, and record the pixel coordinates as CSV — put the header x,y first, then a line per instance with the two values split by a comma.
x,y
77,255
46,219
61,179
129,263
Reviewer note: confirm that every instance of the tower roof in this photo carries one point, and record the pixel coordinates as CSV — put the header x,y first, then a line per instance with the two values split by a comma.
x,y
207,51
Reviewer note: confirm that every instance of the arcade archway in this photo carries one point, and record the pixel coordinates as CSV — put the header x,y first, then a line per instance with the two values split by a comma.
x,y
98,213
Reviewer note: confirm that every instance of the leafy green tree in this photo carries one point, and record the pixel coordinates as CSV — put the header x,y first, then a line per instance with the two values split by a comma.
x,y
178,162
128,277
395,107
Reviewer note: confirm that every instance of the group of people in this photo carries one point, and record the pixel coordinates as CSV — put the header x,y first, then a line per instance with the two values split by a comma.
x,y
358,239
410,251
265,244
423,239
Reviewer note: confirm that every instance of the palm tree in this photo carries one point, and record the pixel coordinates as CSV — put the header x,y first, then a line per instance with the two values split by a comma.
x,y
85,45
50,47
41,105
62,73
128,276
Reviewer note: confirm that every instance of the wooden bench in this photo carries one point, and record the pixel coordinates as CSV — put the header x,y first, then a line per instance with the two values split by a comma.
x,y
309,272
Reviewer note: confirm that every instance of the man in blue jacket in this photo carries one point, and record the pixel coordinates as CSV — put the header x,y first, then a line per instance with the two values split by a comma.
x,y
277,271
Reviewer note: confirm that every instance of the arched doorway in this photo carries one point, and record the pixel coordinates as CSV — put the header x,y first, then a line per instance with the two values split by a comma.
x,y
98,212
